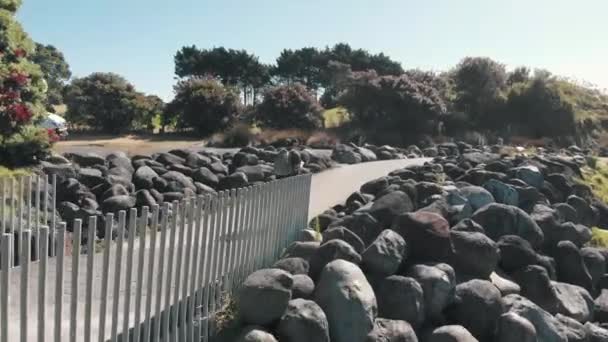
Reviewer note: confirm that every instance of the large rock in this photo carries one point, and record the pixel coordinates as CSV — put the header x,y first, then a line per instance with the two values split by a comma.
x,y
343,233
595,262
293,265
120,161
197,160
437,287
234,181
555,231
385,254
303,321
363,225
90,177
330,251
501,219
118,203
401,298
502,193
264,296
303,287
504,284
205,176
345,154
547,326
114,190
387,330
255,173
477,196
530,174
304,250
255,334
570,266
87,159
574,301
61,171
571,328
514,328
585,213
477,306
516,253
375,186
143,198
475,254
536,286
387,207
451,333
366,154
596,333
169,159
348,301
426,234
601,307
143,178
180,180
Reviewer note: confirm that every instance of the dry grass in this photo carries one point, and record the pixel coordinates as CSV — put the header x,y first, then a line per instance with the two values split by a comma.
x,y
599,237
269,136
529,142
335,117
596,176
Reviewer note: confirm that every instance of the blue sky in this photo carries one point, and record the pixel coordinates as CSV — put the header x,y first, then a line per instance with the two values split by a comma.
x,y
138,38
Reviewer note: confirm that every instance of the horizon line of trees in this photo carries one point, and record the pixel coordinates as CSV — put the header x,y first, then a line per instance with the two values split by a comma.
x,y
218,86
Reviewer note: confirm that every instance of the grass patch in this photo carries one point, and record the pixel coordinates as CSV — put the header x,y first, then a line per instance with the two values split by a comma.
x,y
227,323
7,172
599,237
596,177
335,117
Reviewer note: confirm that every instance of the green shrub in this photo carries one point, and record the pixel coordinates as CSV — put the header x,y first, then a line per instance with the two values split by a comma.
x,y
289,106
238,135
204,105
599,238
27,147
104,101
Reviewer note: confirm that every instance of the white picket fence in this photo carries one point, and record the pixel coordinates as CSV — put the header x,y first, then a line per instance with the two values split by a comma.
x,y
163,278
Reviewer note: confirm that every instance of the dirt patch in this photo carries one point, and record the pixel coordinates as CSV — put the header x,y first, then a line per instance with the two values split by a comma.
x,y
131,144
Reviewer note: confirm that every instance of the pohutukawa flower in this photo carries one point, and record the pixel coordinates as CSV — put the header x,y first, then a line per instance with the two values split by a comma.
x,y
20,113
19,78
20,53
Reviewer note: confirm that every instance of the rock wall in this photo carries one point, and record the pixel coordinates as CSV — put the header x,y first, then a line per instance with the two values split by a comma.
x,y
470,247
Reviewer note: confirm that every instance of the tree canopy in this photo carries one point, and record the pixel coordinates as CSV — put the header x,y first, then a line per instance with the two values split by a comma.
x,y
22,92
55,69
104,101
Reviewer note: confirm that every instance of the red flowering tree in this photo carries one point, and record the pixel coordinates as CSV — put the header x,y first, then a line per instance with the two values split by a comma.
x,y
22,91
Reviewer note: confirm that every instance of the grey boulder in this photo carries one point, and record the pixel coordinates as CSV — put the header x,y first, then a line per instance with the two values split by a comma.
x,y
303,321
264,296
348,301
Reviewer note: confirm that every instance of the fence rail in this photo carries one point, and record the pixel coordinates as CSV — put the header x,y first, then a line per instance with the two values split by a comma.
x,y
165,276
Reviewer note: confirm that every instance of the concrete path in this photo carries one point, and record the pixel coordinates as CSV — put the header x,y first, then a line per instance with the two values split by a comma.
x,y
327,189
333,186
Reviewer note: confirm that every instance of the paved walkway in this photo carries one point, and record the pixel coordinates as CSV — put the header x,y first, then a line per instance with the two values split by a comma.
x,y
328,188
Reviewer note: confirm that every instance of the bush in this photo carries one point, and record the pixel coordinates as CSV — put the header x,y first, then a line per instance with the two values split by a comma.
x,y
104,101
204,105
539,110
27,147
290,106
238,135
392,109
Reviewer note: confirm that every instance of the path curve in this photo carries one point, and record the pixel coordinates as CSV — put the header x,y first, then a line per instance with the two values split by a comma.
x,y
328,188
